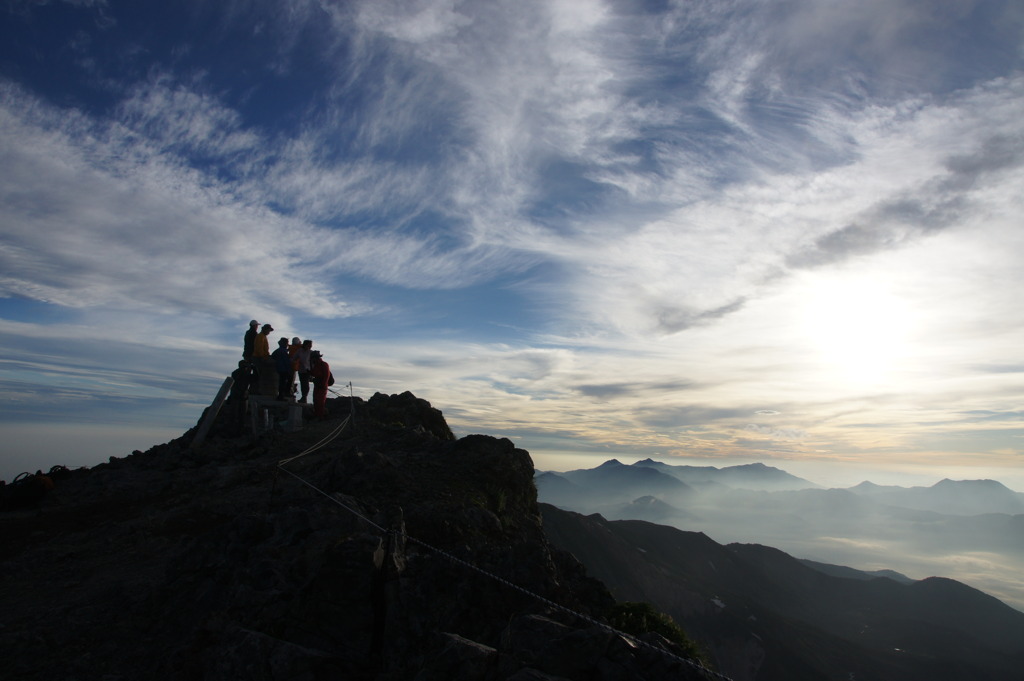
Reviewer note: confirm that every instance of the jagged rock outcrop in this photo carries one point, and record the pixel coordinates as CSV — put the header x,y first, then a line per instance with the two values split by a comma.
x,y
372,557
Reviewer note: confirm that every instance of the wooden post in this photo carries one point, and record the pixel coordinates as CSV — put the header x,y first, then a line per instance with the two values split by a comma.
x,y
351,403
294,417
390,561
211,413
254,409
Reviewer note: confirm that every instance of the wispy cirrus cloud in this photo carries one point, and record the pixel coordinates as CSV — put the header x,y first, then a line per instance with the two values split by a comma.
x,y
98,218
640,202
568,103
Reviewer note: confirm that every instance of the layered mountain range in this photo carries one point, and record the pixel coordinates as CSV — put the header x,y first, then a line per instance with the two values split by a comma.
x,y
971,530
766,614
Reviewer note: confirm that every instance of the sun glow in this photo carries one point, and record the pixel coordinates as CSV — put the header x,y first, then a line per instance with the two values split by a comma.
x,y
860,329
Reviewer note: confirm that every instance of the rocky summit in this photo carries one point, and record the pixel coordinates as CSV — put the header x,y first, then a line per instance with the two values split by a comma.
x,y
388,549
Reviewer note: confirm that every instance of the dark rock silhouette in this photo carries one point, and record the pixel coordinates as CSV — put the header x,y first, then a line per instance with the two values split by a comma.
x,y
371,558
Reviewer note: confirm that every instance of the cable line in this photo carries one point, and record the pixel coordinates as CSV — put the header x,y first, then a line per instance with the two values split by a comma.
x,y
636,642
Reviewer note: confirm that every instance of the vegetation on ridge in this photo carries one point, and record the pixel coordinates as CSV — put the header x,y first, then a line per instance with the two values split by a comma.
x,y
638,619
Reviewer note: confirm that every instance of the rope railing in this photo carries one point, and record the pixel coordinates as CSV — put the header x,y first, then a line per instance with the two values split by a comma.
x,y
333,499
322,443
330,436
557,606
459,561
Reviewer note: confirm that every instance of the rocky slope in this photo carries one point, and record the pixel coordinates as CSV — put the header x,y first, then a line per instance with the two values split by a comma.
x,y
373,557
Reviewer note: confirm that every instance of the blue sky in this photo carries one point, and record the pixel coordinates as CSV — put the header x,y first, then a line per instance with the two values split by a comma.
x,y
721,231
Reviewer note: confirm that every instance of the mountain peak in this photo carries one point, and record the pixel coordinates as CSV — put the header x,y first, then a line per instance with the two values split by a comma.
x,y
866,486
611,463
206,561
947,483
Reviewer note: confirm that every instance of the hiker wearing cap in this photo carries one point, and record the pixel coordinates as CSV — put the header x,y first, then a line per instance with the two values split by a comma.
x,y
283,366
250,338
261,344
267,377
321,375
301,362
294,348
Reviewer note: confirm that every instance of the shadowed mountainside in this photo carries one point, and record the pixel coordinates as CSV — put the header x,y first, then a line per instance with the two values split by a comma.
x,y
373,563
765,615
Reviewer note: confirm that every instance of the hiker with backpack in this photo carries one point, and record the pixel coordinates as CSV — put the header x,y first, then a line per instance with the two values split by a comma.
x,y
265,371
283,365
322,378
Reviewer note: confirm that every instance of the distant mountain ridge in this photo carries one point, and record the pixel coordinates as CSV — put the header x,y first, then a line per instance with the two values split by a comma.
x,y
756,476
766,615
941,529
851,573
623,477
950,497
617,483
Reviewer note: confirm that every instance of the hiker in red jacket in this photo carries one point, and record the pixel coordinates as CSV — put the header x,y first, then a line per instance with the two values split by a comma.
x,y
320,373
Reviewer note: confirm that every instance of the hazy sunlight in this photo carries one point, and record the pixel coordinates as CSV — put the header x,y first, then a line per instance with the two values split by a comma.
x,y
857,328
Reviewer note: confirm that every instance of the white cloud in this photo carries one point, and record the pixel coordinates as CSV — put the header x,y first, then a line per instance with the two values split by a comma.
x,y
190,122
107,220
544,90
419,23
674,183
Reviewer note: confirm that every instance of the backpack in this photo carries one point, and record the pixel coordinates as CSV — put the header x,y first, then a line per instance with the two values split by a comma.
x,y
24,491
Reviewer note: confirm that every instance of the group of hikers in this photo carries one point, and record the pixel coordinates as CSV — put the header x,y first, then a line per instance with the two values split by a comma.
x,y
288,361
26,490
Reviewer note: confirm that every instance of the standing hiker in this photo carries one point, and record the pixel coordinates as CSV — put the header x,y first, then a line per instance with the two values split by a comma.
x,y
283,366
250,338
261,344
266,375
301,361
322,378
293,351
